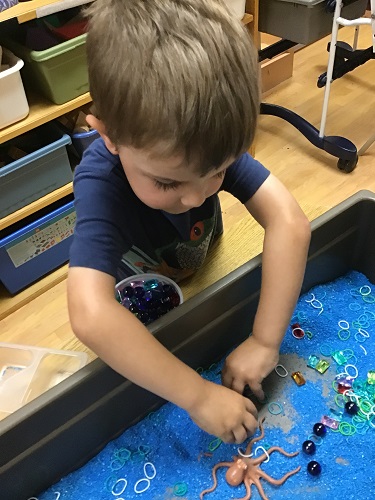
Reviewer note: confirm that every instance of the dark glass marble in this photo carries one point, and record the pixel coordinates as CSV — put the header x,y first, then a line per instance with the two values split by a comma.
x,y
308,447
319,429
351,408
314,468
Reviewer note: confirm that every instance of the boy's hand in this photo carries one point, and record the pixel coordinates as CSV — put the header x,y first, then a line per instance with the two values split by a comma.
x,y
249,364
224,413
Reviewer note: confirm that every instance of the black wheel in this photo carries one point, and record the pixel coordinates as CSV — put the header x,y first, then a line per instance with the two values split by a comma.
x,y
347,166
322,80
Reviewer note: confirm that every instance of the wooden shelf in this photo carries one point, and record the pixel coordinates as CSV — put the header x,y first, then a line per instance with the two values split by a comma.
x,y
26,11
41,111
247,18
46,200
10,303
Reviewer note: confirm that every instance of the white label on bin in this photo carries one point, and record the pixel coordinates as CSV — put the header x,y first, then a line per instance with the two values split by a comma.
x,y
35,243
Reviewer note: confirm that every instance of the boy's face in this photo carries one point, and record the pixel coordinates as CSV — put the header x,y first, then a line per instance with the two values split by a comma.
x,y
168,184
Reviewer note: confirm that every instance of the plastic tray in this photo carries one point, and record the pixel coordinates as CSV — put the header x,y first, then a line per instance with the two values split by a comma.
x,y
27,372
302,21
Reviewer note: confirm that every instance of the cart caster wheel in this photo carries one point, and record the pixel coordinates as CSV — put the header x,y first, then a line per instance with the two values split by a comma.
x,y
347,166
322,80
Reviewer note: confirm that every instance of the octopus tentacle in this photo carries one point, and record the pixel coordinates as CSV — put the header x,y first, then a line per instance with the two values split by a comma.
x,y
254,440
278,482
247,482
262,458
217,466
257,483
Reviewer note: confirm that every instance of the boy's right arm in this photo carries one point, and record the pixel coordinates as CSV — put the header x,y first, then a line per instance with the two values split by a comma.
x,y
126,345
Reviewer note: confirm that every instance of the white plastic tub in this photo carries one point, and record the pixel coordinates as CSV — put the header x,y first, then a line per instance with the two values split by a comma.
x,y
237,7
13,102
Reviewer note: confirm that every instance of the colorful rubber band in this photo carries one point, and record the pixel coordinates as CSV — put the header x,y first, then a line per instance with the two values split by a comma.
x,y
214,445
180,489
341,337
273,412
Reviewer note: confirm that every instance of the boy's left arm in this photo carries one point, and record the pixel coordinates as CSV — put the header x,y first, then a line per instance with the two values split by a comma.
x,y
286,242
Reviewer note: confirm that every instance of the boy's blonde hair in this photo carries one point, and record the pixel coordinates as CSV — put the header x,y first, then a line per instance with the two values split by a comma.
x,y
174,76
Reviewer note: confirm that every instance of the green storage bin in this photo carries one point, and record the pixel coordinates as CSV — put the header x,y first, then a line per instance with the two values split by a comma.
x,y
59,73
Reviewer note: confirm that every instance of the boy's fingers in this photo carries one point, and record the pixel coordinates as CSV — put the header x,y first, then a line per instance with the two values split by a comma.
x,y
226,379
228,438
257,390
251,425
240,434
238,386
251,409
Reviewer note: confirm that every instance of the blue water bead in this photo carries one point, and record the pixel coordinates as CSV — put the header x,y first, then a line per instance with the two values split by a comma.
x,y
139,291
136,302
319,429
166,301
151,284
153,314
162,309
126,302
144,317
148,295
314,468
143,305
128,291
156,294
308,447
168,290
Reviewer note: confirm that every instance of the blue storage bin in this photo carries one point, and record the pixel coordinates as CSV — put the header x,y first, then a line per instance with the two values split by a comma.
x,y
82,140
36,249
36,174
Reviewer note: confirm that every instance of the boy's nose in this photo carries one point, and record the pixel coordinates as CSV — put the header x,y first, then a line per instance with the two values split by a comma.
x,y
194,199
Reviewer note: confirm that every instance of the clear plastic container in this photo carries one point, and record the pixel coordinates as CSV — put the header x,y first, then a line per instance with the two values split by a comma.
x,y
153,295
26,372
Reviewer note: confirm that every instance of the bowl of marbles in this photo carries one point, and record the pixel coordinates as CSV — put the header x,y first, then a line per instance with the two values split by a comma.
x,y
148,296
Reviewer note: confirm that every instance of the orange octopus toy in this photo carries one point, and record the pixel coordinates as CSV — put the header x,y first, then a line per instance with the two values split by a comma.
x,y
245,469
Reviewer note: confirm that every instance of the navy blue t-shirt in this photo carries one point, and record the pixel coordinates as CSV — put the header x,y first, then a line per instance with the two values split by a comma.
x,y
118,234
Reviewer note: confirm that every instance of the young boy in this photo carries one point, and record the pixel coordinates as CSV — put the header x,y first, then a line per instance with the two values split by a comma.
x,y
175,85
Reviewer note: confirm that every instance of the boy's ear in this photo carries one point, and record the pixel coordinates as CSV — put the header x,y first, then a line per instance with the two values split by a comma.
x,y
100,127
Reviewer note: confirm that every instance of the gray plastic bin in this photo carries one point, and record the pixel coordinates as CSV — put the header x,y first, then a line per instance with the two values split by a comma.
x,y
37,174
66,426
302,21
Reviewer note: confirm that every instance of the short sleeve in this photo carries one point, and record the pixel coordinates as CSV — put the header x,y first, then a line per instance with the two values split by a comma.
x,y
98,241
244,177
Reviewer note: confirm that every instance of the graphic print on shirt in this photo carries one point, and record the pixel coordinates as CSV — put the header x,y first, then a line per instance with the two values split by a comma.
x,y
178,259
